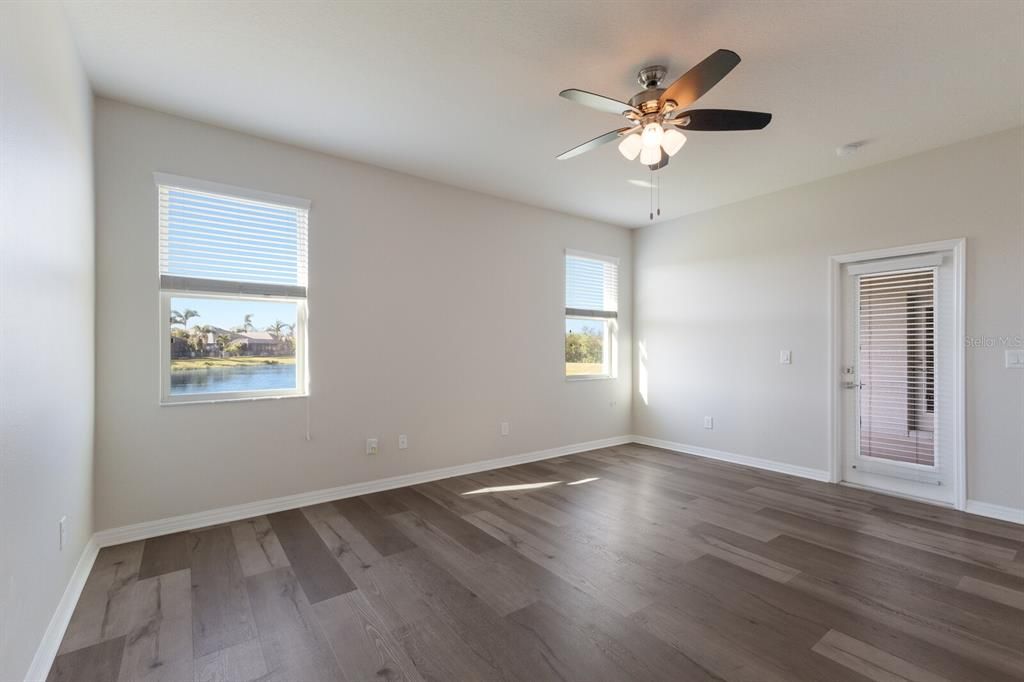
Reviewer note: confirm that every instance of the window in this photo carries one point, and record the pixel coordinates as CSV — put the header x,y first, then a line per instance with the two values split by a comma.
x,y
591,312
232,292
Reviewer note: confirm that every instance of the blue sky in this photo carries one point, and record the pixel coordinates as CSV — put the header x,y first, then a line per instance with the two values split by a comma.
x,y
580,325
231,313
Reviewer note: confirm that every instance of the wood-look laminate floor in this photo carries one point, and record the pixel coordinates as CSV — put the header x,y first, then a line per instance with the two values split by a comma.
x,y
627,563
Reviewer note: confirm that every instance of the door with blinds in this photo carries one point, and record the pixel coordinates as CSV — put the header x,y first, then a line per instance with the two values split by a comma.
x,y
899,344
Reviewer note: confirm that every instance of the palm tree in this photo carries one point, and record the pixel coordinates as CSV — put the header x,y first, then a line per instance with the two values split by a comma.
x,y
197,339
247,324
183,317
278,327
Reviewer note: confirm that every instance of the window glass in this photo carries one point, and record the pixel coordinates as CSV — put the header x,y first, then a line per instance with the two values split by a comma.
x,y
585,347
223,345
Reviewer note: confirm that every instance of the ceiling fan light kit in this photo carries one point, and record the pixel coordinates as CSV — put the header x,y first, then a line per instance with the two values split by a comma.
x,y
657,114
631,145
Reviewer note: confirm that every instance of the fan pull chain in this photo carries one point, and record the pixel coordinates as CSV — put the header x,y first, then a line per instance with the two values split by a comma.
x,y
650,185
655,195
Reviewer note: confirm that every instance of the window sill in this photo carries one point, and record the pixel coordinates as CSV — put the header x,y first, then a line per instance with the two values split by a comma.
x,y
240,399
588,377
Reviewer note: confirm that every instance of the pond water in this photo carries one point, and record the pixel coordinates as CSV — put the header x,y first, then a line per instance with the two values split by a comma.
x,y
228,379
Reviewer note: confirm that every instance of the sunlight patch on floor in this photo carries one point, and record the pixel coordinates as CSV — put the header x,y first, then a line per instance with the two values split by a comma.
x,y
511,488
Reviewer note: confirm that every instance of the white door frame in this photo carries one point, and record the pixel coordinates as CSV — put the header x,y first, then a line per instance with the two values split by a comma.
x,y
835,264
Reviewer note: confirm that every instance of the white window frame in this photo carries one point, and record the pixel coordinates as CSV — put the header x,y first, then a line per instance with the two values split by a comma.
x,y
609,323
223,292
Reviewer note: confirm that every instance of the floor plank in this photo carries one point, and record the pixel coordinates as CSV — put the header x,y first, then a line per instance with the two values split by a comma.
x,y
381,581
378,530
104,607
997,593
158,647
492,581
257,545
870,662
239,663
513,651
362,644
221,616
97,663
293,643
453,526
165,554
319,574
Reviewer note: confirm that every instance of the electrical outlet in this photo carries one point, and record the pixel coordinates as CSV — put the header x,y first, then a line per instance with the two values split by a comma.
x,y
785,357
62,528
709,422
504,428
371,446
403,442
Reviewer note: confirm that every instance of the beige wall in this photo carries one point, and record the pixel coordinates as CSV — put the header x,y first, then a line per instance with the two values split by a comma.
x,y
475,282
718,294
46,321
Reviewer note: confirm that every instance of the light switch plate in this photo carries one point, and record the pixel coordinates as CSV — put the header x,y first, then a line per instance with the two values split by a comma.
x,y
1015,358
785,357
709,422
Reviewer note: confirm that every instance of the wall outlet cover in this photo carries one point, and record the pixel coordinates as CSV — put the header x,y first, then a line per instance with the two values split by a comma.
x,y
403,442
371,446
709,422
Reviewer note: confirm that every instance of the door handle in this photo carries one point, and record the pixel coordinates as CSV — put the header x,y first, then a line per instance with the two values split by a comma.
x,y
854,384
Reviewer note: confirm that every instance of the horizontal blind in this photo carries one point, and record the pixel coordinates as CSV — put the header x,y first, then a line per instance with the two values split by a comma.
x,y
591,286
219,243
897,366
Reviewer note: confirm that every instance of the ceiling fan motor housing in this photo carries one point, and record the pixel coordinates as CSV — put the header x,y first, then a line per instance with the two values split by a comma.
x,y
650,78
647,101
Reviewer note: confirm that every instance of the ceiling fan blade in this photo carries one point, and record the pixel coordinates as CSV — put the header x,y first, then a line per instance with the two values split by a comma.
x,y
596,142
701,78
599,102
721,119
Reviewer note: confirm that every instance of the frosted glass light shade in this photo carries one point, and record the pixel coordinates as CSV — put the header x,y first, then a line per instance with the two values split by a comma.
x,y
650,156
653,132
631,146
672,141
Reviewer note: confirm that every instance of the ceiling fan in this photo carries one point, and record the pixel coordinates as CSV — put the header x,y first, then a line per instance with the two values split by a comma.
x,y
657,116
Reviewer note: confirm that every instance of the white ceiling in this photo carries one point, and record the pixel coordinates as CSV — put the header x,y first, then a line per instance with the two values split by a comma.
x,y
466,93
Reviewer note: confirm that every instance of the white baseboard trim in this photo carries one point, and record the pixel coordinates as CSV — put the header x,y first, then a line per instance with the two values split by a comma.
x,y
745,460
995,511
47,650
176,524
